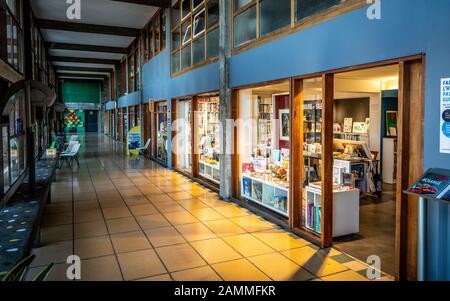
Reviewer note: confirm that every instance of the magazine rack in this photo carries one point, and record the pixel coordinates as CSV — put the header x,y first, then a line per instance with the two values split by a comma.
x,y
434,185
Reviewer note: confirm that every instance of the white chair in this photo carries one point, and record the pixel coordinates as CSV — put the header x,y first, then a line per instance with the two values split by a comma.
x,y
72,139
69,157
146,146
69,147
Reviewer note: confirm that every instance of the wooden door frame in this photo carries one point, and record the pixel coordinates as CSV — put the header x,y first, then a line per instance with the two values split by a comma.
x,y
409,165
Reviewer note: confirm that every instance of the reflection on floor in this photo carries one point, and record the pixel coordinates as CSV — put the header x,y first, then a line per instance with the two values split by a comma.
x,y
130,219
377,230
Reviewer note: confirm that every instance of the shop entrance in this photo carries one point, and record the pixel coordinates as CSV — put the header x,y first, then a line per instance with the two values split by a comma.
x,y
160,131
182,137
365,132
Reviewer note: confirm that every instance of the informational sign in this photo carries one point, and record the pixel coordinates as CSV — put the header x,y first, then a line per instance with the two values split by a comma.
x,y
445,116
434,184
134,141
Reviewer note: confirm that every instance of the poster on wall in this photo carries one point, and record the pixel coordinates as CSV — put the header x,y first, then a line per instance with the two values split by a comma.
x,y
134,141
284,125
391,123
445,116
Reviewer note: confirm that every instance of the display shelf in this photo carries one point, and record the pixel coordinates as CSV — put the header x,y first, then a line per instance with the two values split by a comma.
x,y
209,171
267,194
345,211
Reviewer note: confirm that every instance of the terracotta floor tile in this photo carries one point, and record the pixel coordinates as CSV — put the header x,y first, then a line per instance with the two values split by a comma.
x,y
130,241
164,277
164,236
85,206
85,196
314,262
166,207
153,221
180,196
214,201
140,264
224,227
215,250
56,233
231,211
116,212
248,245
194,232
93,247
206,214
113,203
136,201
57,219
239,270
345,276
58,273
56,208
280,240
180,257
252,223
205,273
140,210
279,268
180,218
100,269
122,225
91,229
88,216
192,204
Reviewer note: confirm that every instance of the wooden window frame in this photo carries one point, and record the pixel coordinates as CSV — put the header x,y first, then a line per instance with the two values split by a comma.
x,y
178,27
149,43
332,12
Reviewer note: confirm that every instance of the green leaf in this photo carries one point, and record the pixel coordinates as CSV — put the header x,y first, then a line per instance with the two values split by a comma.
x,y
18,272
43,275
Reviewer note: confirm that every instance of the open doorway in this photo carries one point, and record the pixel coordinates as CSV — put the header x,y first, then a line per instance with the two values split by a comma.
x,y
365,132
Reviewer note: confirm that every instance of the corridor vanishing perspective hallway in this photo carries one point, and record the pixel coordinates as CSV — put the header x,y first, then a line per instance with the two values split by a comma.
x,y
128,218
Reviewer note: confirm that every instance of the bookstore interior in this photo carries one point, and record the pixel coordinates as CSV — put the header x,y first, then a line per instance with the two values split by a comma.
x,y
364,151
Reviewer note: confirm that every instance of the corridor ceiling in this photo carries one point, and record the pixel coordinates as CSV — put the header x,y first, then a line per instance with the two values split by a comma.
x,y
91,46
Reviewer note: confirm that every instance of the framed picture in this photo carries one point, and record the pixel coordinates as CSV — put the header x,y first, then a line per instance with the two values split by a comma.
x,y
391,123
284,124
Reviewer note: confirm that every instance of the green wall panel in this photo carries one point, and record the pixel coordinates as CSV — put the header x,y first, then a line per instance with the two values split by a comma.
x,y
81,92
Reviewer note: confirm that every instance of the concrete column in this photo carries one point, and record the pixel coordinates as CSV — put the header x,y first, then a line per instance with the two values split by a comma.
x,y
226,138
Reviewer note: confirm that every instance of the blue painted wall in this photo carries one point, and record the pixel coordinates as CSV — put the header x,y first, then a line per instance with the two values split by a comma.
x,y
407,27
132,99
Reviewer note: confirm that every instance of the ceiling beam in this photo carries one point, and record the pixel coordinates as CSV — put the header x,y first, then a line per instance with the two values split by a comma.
x,y
85,60
72,75
87,69
157,3
89,28
92,48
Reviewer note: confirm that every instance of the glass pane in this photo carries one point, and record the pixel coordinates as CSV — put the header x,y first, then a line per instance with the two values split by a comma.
x,y
196,3
157,35
186,32
185,8
199,51
312,154
186,60
307,8
151,47
163,29
175,13
5,153
212,44
14,151
176,39
161,126
208,138
238,4
183,140
212,13
275,14
199,23
245,27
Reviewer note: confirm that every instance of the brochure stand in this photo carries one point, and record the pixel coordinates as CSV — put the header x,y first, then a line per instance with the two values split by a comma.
x,y
434,185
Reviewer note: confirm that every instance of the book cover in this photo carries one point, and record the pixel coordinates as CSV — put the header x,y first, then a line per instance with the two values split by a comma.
x,y
431,185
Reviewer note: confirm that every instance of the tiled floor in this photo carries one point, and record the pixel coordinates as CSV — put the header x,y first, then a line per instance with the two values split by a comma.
x,y
130,219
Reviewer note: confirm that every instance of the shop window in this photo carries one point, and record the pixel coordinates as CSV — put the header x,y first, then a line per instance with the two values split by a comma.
x,y
161,131
263,139
208,135
5,153
245,27
191,31
183,140
14,36
307,8
274,15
